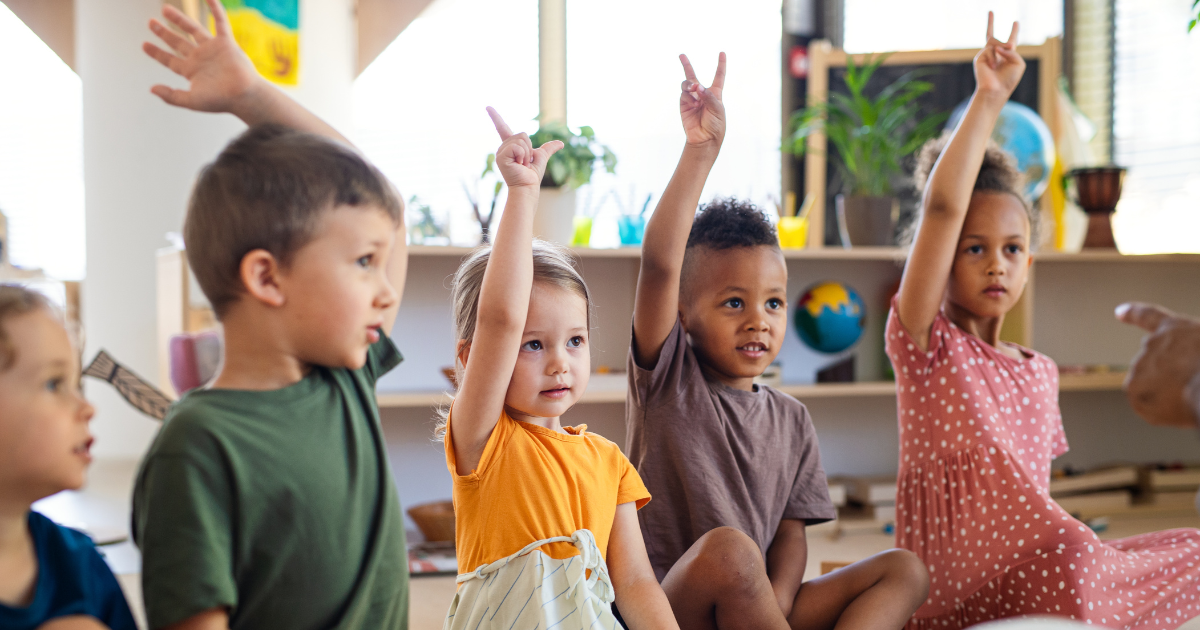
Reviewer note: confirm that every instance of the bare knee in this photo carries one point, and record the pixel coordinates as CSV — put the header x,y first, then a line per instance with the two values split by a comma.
x,y
904,567
727,559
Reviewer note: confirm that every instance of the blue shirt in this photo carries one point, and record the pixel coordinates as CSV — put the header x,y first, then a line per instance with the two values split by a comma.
x,y
72,580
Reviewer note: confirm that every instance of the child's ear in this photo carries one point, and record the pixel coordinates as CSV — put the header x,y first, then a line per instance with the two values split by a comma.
x,y
260,276
461,352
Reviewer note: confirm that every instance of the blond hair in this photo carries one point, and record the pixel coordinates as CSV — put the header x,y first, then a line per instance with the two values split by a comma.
x,y
15,301
553,264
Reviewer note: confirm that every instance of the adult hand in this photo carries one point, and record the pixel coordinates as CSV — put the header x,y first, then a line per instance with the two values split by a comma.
x,y
701,108
1163,384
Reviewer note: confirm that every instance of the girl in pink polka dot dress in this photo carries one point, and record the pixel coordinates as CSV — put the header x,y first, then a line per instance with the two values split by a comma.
x,y
979,420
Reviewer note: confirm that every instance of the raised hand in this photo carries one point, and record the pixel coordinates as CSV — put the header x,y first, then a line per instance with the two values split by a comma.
x,y
701,108
998,67
222,77
519,163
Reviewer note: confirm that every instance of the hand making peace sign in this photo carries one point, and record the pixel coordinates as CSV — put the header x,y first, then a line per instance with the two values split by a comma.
x,y
701,108
519,163
998,67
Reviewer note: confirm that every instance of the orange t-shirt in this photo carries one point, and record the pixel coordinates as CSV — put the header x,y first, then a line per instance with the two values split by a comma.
x,y
533,483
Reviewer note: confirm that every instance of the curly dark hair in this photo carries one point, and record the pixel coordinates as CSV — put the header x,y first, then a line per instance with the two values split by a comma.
x,y
998,173
729,222
725,224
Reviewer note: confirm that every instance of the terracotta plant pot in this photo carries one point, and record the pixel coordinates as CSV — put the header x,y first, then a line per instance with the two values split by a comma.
x,y
867,221
1097,191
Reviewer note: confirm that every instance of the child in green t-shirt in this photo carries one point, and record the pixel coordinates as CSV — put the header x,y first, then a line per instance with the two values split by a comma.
x,y
267,500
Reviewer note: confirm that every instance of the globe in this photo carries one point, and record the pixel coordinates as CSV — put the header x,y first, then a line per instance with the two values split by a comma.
x,y
1021,132
829,317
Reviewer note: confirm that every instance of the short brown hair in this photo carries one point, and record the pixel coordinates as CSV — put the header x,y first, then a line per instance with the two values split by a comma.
x,y
15,301
998,173
267,190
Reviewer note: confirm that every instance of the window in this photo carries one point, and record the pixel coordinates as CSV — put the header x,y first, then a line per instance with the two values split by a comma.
x,y
419,107
41,154
623,80
1155,127
885,25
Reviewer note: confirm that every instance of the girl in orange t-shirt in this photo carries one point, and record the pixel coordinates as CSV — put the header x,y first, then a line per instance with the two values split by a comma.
x,y
545,513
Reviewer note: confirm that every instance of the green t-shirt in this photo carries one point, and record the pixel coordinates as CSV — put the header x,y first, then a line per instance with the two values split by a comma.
x,y
277,505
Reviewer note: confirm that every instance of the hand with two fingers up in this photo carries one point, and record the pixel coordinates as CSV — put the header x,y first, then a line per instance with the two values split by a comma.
x,y
998,67
1163,384
701,108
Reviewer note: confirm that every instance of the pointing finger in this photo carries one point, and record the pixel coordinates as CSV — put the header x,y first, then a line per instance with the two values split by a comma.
x,y
1145,316
1012,37
501,126
687,69
991,20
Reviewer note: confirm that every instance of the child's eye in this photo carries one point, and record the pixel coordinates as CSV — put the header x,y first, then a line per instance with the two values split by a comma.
x,y
734,302
575,341
774,303
365,261
1014,249
54,385
532,346
975,249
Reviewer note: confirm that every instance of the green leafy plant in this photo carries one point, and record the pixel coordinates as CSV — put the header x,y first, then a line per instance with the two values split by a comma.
x,y
871,134
1195,15
572,166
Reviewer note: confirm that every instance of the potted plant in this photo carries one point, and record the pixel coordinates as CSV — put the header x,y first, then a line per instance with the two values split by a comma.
x,y
567,170
872,135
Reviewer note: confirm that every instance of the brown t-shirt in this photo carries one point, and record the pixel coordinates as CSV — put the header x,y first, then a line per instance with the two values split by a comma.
x,y
714,456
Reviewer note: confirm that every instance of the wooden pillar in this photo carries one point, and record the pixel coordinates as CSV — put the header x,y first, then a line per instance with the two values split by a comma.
x,y
552,60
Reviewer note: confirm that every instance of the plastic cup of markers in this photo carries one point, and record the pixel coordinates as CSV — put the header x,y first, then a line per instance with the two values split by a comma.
x,y
582,234
793,232
632,228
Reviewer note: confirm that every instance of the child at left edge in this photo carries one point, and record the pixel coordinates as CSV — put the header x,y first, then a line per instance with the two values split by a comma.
x,y
51,577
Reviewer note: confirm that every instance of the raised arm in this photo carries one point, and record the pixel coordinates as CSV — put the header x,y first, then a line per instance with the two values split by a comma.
x,y
221,76
656,305
503,299
998,69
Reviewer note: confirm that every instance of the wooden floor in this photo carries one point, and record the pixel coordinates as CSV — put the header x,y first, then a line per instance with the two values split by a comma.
x,y
103,509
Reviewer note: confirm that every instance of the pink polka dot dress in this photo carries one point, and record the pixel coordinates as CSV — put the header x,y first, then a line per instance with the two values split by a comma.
x,y
978,430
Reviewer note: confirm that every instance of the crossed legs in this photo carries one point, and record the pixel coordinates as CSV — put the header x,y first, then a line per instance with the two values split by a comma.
x,y
721,583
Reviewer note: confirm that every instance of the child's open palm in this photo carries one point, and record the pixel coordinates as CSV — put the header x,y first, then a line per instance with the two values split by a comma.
x,y
220,74
701,108
998,67
519,163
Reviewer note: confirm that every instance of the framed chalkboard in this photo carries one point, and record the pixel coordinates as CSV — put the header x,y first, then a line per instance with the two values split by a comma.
x,y
950,71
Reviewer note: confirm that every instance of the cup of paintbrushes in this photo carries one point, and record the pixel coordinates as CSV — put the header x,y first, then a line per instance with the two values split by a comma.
x,y
793,226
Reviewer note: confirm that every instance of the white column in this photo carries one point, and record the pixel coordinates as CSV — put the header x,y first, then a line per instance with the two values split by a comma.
x,y
552,59
140,160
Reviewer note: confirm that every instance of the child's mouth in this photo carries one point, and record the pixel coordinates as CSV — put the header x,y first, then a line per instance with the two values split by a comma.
x,y
373,333
557,392
754,349
995,291
84,449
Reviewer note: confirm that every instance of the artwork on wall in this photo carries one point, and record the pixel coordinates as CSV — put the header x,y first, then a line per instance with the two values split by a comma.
x,y
269,32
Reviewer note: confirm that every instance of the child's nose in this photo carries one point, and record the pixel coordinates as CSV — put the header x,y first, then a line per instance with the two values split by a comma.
x,y
387,295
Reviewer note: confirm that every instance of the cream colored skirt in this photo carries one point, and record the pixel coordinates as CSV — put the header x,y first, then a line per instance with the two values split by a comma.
x,y
529,590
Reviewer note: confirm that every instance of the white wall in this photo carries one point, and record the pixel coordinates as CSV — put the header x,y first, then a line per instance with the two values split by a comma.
x,y
140,159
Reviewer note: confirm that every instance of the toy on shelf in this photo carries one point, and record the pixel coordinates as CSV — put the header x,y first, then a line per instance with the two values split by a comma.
x,y
1097,191
1023,134
830,317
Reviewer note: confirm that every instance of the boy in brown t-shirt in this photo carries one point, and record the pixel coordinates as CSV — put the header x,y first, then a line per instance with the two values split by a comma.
x,y
733,466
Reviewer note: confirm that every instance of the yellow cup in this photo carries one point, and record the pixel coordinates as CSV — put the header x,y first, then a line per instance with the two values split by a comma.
x,y
793,232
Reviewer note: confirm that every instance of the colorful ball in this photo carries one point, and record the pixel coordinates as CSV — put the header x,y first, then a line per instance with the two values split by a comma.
x,y
830,317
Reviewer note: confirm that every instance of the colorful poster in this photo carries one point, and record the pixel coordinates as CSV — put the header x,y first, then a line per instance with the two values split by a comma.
x,y
269,32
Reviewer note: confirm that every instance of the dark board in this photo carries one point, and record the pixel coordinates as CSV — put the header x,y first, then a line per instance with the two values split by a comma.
x,y
953,83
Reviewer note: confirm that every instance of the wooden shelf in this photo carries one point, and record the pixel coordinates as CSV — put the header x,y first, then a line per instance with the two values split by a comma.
x,y
610,388
1110,255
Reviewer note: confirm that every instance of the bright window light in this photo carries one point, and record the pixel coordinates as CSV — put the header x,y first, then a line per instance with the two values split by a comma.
x,y
887,25
41,154
419,107
623,80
